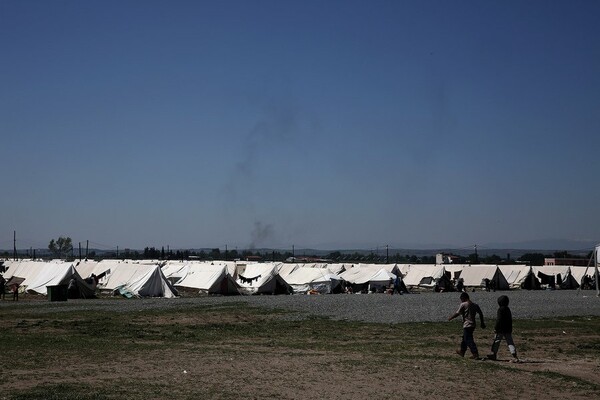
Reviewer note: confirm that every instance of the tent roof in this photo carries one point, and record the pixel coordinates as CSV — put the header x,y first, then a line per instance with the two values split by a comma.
x,y
152,284
304,275
418,272
203,276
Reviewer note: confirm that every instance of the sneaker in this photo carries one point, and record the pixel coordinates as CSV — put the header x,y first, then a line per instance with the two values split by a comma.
x,y
491,357
460,353
515,360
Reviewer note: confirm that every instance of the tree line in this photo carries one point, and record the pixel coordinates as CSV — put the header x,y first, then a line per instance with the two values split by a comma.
x,y
62,248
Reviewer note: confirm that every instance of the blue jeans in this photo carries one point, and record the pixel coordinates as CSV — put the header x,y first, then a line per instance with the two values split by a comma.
x,y
468,341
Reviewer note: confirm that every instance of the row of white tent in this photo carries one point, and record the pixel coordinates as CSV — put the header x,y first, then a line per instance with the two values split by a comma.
x,y
151,278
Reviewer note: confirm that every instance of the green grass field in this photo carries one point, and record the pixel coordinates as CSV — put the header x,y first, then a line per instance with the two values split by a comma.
x,y
235,351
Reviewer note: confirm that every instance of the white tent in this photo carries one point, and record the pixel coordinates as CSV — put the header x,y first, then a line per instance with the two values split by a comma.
x,y
403,269
427,276
208,278
476,276
261,278
455,269
579,272
306,279
122,272
176,270
152,284
352,273
520,276
336,268
392,268
34,272
86,268
381,280
27,269
556,276
59,274
284,270
370,277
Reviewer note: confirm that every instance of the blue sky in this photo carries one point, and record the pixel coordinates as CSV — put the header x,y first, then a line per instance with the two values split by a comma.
x,y
329,124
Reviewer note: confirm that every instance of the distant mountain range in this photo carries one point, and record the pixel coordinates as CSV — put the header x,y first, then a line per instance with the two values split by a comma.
x,y
548,244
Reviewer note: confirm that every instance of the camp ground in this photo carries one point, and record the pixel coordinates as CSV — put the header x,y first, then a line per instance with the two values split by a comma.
x,y
155,278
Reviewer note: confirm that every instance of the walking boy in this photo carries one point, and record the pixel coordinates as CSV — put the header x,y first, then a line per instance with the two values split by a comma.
x,y
468,310
503,329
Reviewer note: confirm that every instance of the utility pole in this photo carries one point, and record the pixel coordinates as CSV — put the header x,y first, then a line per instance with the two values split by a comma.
x,y
476,256
79,251
15,245
87,243
596,251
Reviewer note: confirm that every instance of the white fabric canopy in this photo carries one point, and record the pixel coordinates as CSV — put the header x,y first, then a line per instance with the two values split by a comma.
x,y
208,278
152,284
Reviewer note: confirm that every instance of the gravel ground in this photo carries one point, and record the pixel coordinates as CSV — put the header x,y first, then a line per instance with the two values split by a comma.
x,y
380,308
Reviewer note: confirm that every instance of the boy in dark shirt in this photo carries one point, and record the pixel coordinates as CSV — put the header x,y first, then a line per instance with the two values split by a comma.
x,y
503,329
